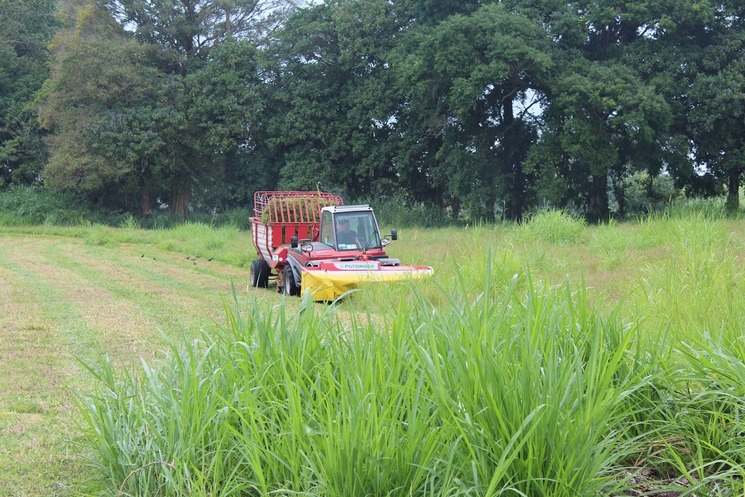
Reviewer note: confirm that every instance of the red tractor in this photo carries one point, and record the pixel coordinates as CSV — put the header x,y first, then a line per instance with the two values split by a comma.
x,y
312,242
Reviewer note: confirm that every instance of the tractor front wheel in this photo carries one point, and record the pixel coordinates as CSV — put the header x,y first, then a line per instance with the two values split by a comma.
x,y
290,288
259,275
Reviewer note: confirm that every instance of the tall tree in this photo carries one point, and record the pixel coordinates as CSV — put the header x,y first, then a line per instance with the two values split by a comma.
x,y
25,31
718,118
601,120
231,108
335,96
140,122
108,136
192,27
714,96
475,83
604,119
186,31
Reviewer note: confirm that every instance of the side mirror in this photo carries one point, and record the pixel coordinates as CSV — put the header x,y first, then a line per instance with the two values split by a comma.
x,y
387,238
293,242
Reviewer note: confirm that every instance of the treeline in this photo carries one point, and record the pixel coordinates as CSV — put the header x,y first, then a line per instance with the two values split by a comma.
x,y
483,108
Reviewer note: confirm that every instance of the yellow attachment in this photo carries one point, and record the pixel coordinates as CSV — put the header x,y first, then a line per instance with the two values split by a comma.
x,y
330,285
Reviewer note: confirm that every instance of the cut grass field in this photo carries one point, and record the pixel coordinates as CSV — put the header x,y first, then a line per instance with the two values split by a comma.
x,y
652,310
63,300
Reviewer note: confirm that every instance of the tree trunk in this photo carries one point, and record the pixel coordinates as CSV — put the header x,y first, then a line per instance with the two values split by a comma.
x,y
146,209
145,200
181,196
733,190
597,208
515,201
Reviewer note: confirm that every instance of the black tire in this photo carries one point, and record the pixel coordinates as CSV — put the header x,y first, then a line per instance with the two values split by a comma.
x,y
290,288
259,275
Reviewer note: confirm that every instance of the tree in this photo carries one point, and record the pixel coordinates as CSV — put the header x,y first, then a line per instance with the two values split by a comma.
x,y
109,123
334,98
231,108
688,52
601,121
604,120
149,122
191,28
714,99
186,31
718,120
25,31
474,83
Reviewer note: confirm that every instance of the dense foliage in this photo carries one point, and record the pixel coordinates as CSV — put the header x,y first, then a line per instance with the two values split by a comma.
x,y
482,108
25,30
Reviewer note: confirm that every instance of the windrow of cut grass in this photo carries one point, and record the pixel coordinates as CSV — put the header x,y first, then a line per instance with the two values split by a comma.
x,y
506,389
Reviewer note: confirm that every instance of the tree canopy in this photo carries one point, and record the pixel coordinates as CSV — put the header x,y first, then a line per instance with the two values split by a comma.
x,y
485,108
25,31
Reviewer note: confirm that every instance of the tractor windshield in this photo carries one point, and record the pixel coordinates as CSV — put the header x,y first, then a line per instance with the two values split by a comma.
x,y
356,231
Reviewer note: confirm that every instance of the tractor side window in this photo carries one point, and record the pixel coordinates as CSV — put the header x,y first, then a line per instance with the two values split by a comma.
x,y
327,229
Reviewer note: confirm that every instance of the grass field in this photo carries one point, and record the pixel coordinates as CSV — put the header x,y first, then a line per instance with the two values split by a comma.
x,y
550,358
65,298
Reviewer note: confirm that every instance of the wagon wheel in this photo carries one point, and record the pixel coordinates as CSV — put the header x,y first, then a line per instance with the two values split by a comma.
x,y
259,274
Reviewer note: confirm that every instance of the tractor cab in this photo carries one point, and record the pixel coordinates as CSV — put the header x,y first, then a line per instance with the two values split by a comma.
x,y
350,227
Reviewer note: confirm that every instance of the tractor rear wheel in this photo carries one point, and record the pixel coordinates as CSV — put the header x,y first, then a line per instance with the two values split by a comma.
x,y
259,275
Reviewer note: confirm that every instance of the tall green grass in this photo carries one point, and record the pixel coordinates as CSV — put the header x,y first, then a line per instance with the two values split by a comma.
x,y
695,207
509,393
34,205
554,226
712,391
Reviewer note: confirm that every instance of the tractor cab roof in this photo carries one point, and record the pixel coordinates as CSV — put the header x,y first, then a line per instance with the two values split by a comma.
x,y
347,208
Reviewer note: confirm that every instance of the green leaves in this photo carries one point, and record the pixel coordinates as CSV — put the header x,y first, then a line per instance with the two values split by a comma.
x,y
25,32
505,389
334,99
179,107
469,106
109,128
470,80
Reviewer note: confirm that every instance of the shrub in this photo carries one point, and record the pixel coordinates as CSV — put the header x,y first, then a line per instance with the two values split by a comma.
x,y
555,226
643,194
36,205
